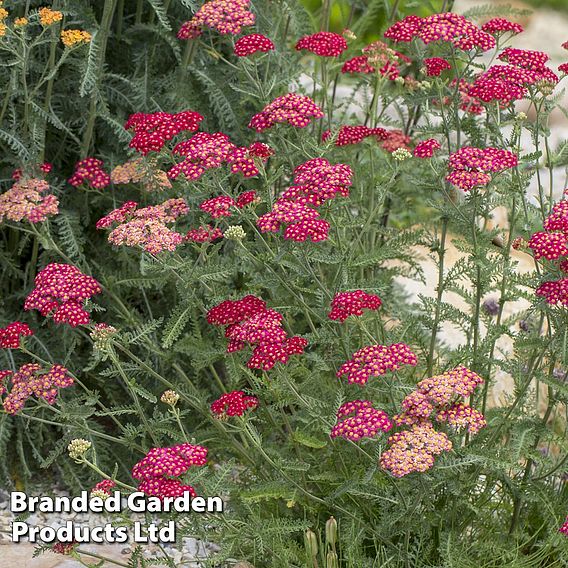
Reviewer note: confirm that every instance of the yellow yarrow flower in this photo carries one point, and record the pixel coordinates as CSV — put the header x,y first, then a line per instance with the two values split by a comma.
x,y
19,22
3,14
73,37
2,29
47,16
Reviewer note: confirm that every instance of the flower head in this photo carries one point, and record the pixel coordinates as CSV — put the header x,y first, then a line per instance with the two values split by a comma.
x,y
28,200
235,233
497,26
227,17
365,421
296,110
170,397
152,131
324,44
70,38
62,289
78,447
414,450
376,360
205,234
435,66
90,171
253,43
48,17
250,322
426,148
103,488
234,403
345,304
462,416
448,27
11,334
146,227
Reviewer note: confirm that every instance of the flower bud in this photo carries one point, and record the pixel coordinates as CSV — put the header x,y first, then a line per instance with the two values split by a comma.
x,y
401,154
311,544
235,233
78,447
331,532
331,560
170,397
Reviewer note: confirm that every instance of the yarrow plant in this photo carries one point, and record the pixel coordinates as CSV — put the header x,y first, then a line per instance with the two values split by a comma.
x,y
320,275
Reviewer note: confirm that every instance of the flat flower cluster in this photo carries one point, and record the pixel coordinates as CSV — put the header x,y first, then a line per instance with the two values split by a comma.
x,y
152,131
234,403
365,421
345,304
158,471
376,360
146,227
507,83
90,172
28,200
470,167
296,110
228,18
250,322
446,27
324,44
205,151
315,182
252,43
143,171
11,334
61,289
204,234
31,380
551,244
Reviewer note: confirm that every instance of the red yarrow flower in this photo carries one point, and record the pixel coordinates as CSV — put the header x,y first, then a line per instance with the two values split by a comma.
x,y
365,422
296,110
564,528
448,27
61,289
204,234
435,66
10,335
499,25
345,304
152,131
156,470
253,43
324,44
228,18
551,246
104,486
426,148
250,322
563,68
90,172
354,134
218,206
376,360
234,403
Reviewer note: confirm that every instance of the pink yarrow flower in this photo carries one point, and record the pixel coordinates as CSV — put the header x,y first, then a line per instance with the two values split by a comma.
x,y
227,18
234,403
426,148
435,66
499,25
28,200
